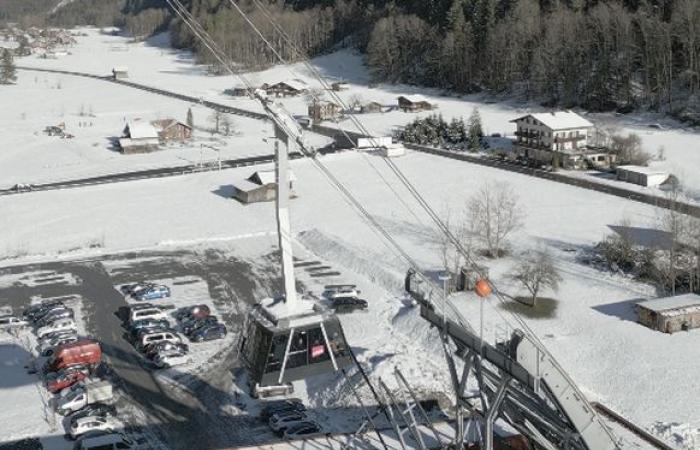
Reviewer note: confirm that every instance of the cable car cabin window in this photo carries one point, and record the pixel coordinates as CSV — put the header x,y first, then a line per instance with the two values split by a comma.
x,y
276,355
298,350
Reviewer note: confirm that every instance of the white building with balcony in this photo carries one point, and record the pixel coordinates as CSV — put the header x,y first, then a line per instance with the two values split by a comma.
x,y
543,137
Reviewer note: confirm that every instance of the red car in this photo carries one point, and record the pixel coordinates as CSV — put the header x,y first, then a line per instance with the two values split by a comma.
x,y
56,381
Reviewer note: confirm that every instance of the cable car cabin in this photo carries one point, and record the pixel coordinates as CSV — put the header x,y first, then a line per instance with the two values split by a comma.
x,y
278,350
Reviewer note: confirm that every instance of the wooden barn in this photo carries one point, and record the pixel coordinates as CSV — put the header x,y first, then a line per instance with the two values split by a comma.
x,y
324,110
287,88
670,314
172,130
260,187
139,137
414,103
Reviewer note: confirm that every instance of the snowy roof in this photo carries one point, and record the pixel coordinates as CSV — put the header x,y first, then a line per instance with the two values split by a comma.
x,y
120,69
416,98
139,129
559,120
268,177
297,85
642,169
163,124
671,303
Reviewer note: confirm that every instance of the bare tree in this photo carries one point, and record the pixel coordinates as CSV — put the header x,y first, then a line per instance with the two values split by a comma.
x,y
536,271
453,254
678,227
215,118
494,213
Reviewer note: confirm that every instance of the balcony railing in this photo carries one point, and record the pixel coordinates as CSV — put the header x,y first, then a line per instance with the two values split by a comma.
x,y
562,139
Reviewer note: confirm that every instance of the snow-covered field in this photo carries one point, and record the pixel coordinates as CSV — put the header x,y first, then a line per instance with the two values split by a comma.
x,y
645,375
594,335
154,63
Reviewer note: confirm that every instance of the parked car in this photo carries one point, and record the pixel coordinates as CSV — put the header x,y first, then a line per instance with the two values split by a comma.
x,y
348,304
11,322
134,288
147,313
47,311
164,361
91,423
150,330
196,312
340,290
109,441
279,406
152,293
149,323
32,311
55,315
192,325
165,347
93,392
158,336
305,429
139,306
83,351
56,381
209,333
47,348
279,422
94,410
63,324
62,333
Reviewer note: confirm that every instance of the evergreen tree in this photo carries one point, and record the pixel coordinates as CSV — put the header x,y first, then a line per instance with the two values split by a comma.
x,y
7,68
190,119
476,131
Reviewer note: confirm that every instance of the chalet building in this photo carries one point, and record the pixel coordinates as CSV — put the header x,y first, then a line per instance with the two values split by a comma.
x,y
371,107
414,103
260,187
323,110
139,137
120,73
289,88
643,176
547,137
172,130
670,314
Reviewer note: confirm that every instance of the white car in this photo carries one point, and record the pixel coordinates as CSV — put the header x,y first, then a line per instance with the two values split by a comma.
x,y
341,291
9,322
283,421
147,313
105,442
59,325
159,336
92,423
165,361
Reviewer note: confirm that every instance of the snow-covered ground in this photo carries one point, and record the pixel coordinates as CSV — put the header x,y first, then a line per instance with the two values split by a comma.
x,y
153,63
594,308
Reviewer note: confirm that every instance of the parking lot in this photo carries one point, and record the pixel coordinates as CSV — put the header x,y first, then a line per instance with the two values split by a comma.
x,y
194,405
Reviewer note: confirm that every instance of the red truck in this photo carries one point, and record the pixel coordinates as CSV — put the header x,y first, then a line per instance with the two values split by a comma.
x,y
84,351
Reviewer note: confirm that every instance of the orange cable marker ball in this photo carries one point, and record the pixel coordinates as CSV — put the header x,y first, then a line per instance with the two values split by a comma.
x,y
482,288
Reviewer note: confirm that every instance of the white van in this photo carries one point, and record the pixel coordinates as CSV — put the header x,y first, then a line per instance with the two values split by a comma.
x,y
111,441
148,313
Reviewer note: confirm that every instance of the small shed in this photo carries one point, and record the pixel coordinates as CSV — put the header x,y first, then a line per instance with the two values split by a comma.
x,y
260,187
139,137
670,314
172,130
340,86
414,103
643,176
324,110
120,73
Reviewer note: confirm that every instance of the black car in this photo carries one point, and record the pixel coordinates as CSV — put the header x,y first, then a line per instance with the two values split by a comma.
x,y
348,304
154,349
208,333
31,311
93,409
281,406
189,327
55,315
144,305
192,312
149,323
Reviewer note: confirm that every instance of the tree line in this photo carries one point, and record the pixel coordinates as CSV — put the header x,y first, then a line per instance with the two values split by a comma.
x,y
598,54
